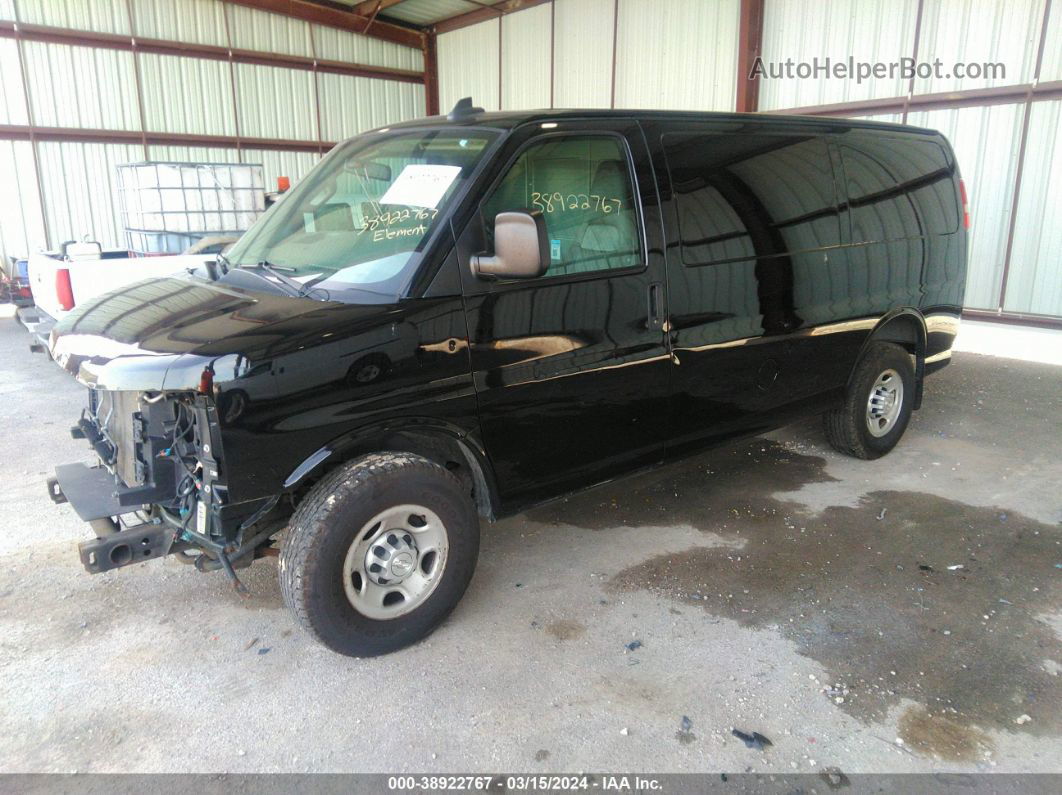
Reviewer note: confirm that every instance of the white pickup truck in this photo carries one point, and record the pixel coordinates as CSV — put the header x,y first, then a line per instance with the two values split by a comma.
x,y
81,271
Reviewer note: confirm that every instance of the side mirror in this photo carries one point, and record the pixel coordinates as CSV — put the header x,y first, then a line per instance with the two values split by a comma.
x,y
521,249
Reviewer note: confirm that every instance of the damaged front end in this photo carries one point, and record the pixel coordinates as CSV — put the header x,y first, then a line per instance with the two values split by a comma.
x,y
160,487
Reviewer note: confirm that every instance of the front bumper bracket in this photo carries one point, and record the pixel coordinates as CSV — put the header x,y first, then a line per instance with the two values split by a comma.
x,y
126,547
90,490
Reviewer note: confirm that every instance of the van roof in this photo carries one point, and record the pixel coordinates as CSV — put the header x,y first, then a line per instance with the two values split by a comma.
x,y
510,119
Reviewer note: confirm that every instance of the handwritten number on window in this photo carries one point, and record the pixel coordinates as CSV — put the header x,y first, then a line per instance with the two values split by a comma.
x,y
556,202
395,217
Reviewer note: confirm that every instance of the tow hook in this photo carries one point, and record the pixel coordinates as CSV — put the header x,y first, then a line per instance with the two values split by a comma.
x,y
55,491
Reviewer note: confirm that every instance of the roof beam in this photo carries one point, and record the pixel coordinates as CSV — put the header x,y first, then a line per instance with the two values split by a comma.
x,y
25,132
112,41
968,98
369,7
341,18
485,12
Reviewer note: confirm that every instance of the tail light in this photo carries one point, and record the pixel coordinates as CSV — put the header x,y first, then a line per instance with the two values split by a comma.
x,y
283,183
965,205
63,291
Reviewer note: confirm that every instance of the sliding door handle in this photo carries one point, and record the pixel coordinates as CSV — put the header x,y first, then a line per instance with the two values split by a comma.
x,y
656,306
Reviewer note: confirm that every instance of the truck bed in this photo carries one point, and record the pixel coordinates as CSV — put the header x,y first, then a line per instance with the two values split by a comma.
x,y
89,278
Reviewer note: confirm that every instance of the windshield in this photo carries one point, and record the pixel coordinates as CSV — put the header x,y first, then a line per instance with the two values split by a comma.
x,y
359,220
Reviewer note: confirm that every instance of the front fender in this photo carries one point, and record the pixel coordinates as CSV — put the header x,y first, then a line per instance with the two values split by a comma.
x,y
428,436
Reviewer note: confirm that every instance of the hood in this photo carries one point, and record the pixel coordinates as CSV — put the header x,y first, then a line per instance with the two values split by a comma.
x,y
163,333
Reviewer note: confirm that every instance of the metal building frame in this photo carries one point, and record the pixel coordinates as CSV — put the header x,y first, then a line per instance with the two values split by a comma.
x,y
363,18
338,17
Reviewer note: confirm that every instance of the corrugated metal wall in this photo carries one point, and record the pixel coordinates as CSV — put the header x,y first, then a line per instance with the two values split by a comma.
x,y
258,30
986,145
661,60
80,87
100,16
525,66
468,65
22,217
187,95
275,103
682,54
986,137
337,45
872,30
97,88
1007,31
582,54
1051,68
12,97
76,179
1035,279
194,21
352,104
679,54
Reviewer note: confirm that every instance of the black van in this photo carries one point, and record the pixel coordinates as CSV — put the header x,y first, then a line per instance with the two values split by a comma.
x,y
461,316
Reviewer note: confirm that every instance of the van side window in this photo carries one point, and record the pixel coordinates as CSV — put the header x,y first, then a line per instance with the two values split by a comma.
x,y
749,195
582,186
898,188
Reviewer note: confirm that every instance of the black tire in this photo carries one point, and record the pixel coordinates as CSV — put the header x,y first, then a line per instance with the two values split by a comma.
x,y
328,521
847,428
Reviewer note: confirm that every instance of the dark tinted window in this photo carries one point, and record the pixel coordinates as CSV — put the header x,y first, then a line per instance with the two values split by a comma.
x,y
745,195
898,188
582,186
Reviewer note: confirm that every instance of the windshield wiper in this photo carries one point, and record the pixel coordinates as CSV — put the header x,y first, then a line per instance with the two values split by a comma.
x,y
276,272
308,285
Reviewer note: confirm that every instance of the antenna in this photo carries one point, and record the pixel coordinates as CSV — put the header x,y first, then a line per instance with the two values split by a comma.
x,y
464,109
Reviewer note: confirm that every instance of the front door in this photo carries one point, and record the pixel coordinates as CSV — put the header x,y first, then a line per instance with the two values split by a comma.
x,y
571,368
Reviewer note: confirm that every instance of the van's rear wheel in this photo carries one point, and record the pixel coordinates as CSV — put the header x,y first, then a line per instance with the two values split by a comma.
x,y
379,553
877,405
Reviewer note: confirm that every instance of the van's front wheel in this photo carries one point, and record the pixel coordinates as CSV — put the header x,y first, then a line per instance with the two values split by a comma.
x,y
378,553
877,405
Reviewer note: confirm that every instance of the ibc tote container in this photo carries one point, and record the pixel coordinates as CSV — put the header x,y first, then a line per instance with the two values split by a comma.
x,y
167,207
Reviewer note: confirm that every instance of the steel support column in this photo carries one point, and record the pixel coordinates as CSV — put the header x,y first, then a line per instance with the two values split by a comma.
x,y
750,46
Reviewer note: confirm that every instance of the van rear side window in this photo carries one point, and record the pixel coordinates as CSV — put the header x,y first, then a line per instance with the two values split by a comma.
x,y
898,188
751,195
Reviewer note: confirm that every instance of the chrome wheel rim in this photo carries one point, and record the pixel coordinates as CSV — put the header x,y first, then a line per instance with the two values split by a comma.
x,y
884,403
395,561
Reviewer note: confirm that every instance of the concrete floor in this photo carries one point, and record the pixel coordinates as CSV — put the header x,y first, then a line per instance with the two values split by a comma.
x,y
775,586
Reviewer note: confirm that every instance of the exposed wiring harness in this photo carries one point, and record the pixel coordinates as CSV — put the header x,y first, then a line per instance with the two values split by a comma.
x,y
190,483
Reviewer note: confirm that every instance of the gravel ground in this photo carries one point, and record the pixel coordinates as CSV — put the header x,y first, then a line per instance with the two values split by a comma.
x,y
774,586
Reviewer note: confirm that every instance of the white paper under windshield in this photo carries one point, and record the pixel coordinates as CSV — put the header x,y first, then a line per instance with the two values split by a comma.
x,y
420,185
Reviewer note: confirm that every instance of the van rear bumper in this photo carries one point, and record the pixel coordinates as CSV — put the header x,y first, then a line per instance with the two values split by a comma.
x,y
39,325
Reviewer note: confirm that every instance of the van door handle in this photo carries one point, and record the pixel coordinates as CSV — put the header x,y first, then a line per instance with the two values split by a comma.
x,y
656,306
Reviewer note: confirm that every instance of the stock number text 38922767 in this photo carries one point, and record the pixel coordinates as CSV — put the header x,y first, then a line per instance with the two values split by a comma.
x,y
558,202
